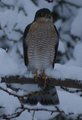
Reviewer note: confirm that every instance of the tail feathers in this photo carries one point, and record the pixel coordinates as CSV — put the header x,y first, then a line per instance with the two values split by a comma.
x,y
44,97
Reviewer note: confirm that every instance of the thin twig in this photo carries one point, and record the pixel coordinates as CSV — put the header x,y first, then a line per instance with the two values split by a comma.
x,y
17,114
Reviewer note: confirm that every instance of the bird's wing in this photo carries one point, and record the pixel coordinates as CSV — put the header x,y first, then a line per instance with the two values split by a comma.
x,y
25,47
56,47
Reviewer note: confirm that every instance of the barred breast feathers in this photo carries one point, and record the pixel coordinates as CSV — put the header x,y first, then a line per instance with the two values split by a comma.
x,y
41,41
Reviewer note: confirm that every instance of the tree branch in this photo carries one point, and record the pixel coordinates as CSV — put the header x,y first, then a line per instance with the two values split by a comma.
x,y
23,80
53,81
17,114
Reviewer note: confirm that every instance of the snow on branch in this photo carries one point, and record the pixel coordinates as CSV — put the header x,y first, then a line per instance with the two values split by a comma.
x,y
71,3
23,108
17,114
62,75
66,2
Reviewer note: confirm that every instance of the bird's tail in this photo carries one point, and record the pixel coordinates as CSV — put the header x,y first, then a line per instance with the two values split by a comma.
x,y
44,97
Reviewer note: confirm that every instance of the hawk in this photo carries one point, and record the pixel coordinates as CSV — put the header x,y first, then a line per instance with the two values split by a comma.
x,y
40,44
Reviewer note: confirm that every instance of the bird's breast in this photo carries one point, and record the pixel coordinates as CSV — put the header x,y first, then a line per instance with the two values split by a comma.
x,y
41,43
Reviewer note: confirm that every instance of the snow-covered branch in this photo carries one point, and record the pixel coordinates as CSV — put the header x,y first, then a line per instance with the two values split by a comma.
x,y
71,3
17,114
24,108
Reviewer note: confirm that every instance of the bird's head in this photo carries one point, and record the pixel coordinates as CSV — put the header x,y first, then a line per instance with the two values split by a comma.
x,y
44,14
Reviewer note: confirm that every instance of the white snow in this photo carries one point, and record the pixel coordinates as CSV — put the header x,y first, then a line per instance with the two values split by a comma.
x,y
45,4
78,53
64,71
9,64
9,2
25,115
58,23
77,61
61,47
75,2
70,103
9,22
76,28
9,102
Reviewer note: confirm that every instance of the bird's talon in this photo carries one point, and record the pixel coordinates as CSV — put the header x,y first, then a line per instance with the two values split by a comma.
x,y
44,78
36,75
35,78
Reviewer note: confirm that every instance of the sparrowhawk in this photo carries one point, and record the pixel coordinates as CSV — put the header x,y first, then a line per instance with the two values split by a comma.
x,y
40,44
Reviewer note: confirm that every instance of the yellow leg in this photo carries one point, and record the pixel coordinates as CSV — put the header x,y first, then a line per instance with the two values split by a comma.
x,y
36,74
44,78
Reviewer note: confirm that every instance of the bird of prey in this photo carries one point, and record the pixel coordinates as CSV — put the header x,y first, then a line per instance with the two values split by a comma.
x,y
40,44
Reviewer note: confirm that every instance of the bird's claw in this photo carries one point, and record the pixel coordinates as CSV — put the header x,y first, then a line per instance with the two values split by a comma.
x,y
44,79
36,75
41,79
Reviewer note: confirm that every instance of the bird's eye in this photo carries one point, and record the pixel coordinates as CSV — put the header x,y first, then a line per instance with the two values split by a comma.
x,y
41,15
